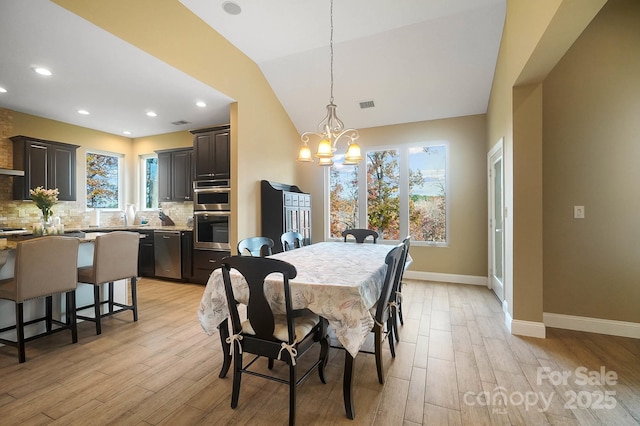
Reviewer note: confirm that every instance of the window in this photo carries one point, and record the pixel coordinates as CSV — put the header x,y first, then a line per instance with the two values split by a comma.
x,y
149,173
398,191
104,181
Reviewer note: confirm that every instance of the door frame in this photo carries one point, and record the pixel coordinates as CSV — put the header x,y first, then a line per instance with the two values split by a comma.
x,y
495,153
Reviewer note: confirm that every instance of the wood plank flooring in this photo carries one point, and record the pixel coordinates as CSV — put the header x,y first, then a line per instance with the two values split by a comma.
x,y
455,364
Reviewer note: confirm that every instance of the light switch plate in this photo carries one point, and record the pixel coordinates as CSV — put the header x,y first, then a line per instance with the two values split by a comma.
x,y
578,212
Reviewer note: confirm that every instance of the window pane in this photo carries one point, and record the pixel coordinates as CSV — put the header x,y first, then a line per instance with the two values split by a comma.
x,y
102,181
427,194
383,197
343,197
151,183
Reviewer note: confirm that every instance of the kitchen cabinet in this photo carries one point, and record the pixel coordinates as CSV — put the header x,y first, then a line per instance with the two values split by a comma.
x,y
45,163
175,174
284,208
212,153
146,257
203,264
186,242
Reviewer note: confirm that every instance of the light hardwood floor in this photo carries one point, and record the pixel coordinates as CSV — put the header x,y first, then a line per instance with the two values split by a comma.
x,y
454,353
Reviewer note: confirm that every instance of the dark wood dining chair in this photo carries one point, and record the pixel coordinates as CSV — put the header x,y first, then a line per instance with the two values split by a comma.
x,y
43,267
396,295
256,246
291,240
382,311
284,337
360,235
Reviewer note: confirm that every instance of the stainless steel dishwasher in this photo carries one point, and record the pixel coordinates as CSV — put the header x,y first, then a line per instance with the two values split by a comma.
x,y
168,255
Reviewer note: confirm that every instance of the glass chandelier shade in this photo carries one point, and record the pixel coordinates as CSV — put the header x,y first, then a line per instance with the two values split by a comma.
x,y
330,131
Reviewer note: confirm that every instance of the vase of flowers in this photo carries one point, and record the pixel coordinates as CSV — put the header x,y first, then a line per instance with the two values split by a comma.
x,y
45,199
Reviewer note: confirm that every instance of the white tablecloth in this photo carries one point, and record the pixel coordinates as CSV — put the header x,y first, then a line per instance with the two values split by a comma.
x,y
336,280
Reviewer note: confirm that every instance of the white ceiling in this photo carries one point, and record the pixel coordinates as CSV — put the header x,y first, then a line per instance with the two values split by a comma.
x,y
416,59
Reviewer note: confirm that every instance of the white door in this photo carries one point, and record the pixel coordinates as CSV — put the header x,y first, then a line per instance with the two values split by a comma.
x,y
496,221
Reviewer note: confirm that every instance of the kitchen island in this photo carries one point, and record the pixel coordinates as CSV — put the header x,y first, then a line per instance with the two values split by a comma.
x,y
36,308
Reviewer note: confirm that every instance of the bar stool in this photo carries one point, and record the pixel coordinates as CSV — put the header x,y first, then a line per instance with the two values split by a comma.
x,y
43,267
115,257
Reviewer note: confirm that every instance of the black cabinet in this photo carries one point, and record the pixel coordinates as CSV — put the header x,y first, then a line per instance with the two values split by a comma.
x,y
45,163
284,208
175,174
203,264
146,258
186,242
212,153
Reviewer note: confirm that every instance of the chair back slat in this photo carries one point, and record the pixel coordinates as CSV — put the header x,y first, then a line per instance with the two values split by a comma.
x,y
403,259
256,246
255,270
360,235
291,240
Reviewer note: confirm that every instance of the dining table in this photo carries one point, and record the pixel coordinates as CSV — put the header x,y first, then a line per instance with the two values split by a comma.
x,y
339,281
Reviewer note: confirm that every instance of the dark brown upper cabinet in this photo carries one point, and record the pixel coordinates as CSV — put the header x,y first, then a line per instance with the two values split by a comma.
x,y
175,174
45,163
212,153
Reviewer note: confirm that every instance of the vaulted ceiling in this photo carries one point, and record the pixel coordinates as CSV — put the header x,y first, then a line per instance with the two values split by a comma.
x,y
416,60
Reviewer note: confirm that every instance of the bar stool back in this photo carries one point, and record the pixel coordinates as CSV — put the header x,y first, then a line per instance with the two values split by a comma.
x,y
43,267
115,257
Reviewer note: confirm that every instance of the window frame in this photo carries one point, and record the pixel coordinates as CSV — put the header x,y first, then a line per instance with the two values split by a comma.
x,y
403,165
120,158
142,187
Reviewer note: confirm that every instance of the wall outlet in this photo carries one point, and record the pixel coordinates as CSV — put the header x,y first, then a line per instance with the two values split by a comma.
x,y
578,212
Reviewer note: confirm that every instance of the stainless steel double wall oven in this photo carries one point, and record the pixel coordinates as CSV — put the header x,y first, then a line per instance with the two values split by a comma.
x,y
211,214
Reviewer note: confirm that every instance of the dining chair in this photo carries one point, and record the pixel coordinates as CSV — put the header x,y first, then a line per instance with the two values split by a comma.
x,y
396,295
382,310
284,337
43,267
360,234
256,246
291,240
115,257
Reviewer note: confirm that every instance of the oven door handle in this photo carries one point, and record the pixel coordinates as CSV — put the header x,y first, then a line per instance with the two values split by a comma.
x,y
211,190
212,213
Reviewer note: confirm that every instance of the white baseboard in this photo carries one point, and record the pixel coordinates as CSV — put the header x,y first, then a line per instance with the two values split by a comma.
x,y
523,328
446,278
592,325
528,328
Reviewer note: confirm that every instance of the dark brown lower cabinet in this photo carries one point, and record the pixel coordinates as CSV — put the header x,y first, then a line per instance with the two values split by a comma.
x,y
203,264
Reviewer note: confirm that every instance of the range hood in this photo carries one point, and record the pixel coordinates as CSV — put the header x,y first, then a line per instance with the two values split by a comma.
x,y
11,172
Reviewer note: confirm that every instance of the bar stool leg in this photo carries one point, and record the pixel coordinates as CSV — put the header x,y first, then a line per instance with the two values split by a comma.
x,y
134,298
20,332
96,308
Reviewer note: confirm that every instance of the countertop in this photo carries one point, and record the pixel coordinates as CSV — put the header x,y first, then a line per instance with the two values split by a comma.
x,y
91,229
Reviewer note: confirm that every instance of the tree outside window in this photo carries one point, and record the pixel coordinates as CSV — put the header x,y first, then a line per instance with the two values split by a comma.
x,y
414,177
103,173
150,182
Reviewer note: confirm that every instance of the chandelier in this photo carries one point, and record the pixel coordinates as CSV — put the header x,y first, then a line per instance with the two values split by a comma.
x,y
330,130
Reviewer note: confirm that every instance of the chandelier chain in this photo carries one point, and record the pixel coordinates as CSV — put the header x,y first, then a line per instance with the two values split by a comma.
x,y
331,49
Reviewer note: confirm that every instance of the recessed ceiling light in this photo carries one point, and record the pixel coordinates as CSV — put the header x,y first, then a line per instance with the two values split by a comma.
x,y
231,8
3,90
201,104
42,71
152,114
83,112
126,132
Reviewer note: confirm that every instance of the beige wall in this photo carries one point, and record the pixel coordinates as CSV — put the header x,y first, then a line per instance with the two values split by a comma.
x,y
263,138
467,251
591,156
535,36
